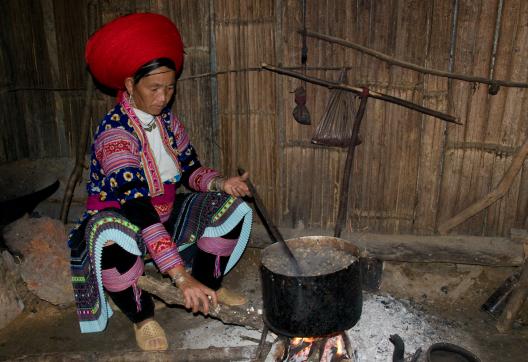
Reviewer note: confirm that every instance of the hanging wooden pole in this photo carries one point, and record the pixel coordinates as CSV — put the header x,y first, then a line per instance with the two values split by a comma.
x,y
359,90
391,60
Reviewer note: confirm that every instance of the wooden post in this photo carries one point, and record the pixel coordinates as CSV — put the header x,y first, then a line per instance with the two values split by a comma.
x,y
514,305
345,184
517,298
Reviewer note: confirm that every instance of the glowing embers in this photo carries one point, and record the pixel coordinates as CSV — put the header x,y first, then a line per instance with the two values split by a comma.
x,y
332,348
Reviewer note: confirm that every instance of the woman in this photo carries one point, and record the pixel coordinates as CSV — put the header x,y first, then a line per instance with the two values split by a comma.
x,y
141,154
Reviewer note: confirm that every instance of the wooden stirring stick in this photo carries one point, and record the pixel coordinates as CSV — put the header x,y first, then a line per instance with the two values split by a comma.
x,y
274,231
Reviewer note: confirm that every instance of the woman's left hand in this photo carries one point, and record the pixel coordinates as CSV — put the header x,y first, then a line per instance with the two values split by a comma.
x,y
236,186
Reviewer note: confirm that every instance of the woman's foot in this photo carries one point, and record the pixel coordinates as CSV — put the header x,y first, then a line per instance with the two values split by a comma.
x,y
150,336
230,297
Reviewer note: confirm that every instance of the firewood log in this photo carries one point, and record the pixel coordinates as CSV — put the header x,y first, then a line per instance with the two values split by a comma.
x,y
244,315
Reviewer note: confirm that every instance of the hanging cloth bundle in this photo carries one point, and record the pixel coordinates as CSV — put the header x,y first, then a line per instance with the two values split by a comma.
x,y
300,112
335,127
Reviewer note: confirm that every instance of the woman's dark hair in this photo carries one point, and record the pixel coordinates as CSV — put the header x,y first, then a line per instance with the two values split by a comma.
x,y
152,65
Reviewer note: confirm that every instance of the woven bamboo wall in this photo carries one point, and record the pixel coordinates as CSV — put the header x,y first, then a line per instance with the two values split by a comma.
x,y
411,171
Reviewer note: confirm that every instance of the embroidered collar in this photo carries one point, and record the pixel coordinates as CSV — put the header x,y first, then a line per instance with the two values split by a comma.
x,y
156,187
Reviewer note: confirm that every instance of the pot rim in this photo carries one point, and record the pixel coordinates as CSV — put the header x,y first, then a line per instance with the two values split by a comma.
x,y
338,243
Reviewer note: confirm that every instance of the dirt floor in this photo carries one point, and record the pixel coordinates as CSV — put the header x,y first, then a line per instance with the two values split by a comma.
x,y
440,302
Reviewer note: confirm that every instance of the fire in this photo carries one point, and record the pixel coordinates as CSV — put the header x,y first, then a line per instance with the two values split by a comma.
x,y
334,349
325,349
340,344
295,341
300,349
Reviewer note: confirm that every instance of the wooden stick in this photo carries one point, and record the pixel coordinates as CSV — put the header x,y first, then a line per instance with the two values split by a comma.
x,y
85,130
347,173
274,232
79,157
240,315
491,197
358,90
516,301
403,64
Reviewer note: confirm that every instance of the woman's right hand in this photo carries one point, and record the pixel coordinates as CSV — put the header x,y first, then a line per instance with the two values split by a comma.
x,y
197,295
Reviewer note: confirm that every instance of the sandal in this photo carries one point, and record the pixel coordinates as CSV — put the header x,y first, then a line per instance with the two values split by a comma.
x,y
148,334
230,297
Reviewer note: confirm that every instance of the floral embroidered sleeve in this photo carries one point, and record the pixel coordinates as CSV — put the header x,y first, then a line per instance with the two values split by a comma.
x,y
194,175
118,153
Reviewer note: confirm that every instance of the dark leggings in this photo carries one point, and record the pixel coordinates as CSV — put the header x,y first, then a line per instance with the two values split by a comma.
x,y
202,270
115,256
204,263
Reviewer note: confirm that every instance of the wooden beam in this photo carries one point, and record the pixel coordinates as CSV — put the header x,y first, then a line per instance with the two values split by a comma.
x,y
471,250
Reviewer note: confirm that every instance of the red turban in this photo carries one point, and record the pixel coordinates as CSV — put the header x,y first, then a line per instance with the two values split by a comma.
x,y
118,49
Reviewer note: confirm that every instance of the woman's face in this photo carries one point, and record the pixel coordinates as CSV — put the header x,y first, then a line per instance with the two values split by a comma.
x,y
154,91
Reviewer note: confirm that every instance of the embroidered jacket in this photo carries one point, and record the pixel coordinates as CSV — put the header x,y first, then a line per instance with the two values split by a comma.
x,y
123,174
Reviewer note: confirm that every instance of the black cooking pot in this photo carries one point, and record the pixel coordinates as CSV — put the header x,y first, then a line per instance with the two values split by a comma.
x,y
311,305
439,352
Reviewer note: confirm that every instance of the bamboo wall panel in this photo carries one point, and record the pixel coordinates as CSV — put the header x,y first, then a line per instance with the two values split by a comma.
x,y
244,34
459,186
193,96
369,206
432,140
24,48
481,161
10,149
411,171
474,176
501,216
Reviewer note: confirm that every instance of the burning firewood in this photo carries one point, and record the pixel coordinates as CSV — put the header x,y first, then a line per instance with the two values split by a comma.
x,y
244,315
